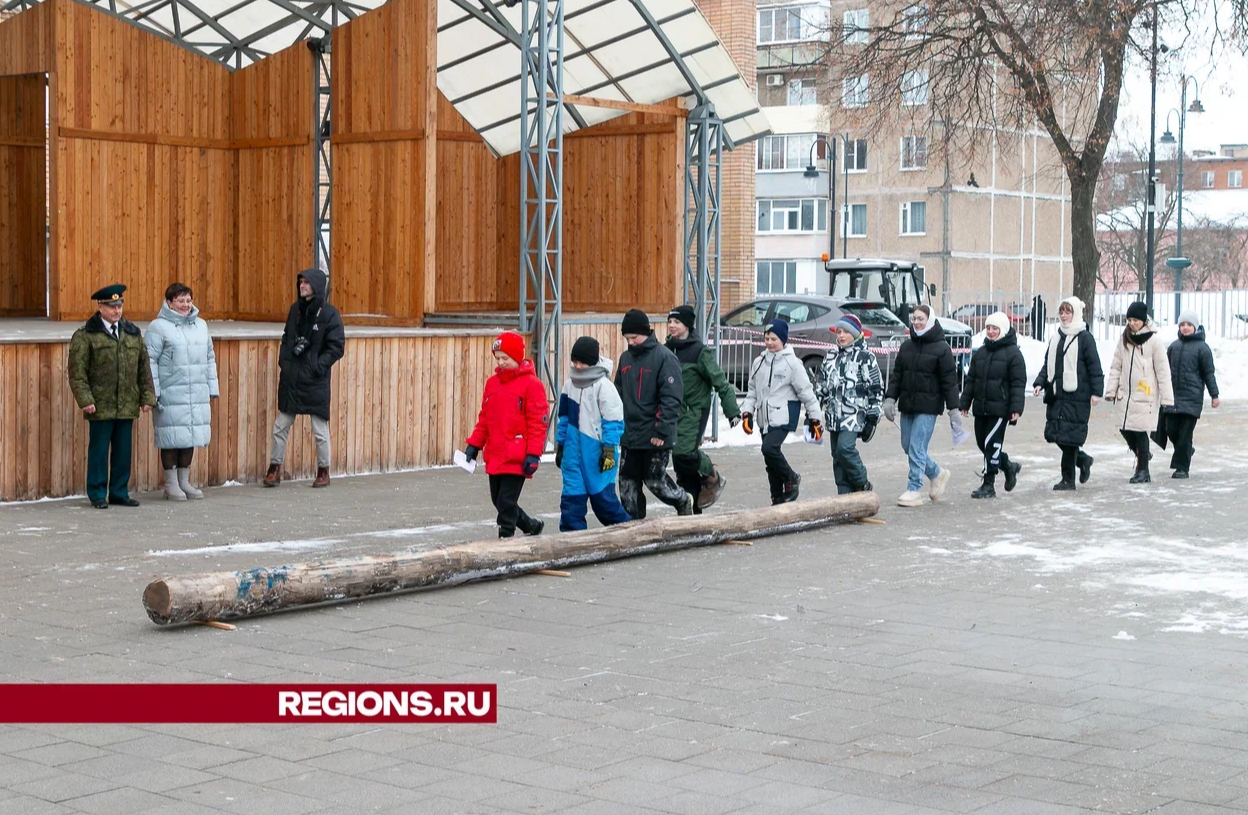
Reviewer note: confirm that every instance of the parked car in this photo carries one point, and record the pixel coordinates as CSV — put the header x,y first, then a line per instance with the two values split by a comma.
x,y
975,315
812,320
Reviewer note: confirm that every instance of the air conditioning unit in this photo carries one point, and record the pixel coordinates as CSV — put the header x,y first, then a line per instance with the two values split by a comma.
x,y
775,80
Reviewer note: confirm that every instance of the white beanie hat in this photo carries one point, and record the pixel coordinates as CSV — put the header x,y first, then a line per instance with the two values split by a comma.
x,y
1076,304
1000,320
1190,317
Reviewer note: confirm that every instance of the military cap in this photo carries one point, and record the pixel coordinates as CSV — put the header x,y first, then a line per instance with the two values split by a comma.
x,y
109,294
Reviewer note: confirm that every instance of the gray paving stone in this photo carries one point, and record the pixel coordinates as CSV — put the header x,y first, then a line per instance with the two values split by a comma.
x,y
64,786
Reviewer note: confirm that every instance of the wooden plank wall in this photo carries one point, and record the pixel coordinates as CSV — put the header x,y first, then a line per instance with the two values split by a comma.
x,y
271,127
26,42
23,196
384,155
391,410
144,173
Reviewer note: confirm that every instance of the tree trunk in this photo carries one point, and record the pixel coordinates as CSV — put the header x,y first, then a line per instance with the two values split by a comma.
x,y
1085,255
230,595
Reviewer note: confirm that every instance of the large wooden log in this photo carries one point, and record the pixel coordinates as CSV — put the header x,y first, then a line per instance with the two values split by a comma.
x,y
231,595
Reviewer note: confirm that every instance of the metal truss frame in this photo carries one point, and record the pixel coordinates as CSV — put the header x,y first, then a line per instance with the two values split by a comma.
x,y
322,156
704,149
541,185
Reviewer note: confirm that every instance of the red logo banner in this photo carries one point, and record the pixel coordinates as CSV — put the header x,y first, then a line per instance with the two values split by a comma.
x,y
248,704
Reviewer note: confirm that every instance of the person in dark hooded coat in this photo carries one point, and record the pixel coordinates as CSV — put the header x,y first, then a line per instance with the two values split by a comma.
x,y
995,389
1072,383
1191,373
312,342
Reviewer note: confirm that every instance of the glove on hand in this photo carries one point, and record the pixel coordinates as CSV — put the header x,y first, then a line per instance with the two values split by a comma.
x,y
559,456
816,428
734,420
470,452
868,429
890,409
531,463
747,422
606,459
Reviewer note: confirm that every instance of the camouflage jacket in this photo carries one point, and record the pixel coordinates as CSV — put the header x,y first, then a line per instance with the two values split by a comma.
x,y
114,375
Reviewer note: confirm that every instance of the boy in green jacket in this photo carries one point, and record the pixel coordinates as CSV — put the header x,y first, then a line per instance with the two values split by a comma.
x,y
702,378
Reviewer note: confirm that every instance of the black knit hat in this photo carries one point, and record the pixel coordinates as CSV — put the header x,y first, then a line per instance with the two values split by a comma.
x,y
1137,311
635,322
685,314
585,350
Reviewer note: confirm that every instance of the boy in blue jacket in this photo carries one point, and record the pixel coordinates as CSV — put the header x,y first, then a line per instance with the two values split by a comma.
x,y
591,421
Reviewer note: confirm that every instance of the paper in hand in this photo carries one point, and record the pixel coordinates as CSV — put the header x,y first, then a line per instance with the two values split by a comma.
x,y
959,434
461,460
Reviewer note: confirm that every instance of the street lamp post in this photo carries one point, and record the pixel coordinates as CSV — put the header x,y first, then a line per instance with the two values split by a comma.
x,y
812,175
1178,263
1151,199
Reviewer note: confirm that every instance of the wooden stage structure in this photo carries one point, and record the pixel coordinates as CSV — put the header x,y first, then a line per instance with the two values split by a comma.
x,y
126,157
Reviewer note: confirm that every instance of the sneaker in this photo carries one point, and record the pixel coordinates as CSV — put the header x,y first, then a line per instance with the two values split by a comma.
x,y
910,498
1085,470
1179,474
1011,476
687,507
865,487
1064,486
536,528
791,488
937,488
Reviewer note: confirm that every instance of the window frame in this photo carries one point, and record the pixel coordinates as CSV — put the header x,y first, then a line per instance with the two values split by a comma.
x,y
1234,179
764,152
847,219
861,91
814,91
866,156
808,26
909,15
861,22
912,167
787,266
1208,179
906,219
818,206
913,83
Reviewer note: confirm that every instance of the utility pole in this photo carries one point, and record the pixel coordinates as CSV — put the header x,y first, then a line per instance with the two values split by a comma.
x,y
1151,203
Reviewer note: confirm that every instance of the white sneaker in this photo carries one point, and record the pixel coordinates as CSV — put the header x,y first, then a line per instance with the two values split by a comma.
x,y
938,485
910,498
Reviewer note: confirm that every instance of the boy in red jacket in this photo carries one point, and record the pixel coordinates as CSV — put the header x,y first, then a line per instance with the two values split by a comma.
x,y
511,429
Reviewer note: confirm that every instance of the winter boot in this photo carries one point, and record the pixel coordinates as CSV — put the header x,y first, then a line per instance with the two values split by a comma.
x,y
184,481
536,525
687,507
1012,470
1141,475
1085,468
1179,474
791,488
1064,486
712,486
172,492
776,482
274,476
987,489
864,487
322,477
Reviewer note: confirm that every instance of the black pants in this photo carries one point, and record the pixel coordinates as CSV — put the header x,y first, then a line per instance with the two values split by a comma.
x,y
688,477
1179,428
1137,440
108,459
990,436
505,493
639,466
779,473
1072,457
173,457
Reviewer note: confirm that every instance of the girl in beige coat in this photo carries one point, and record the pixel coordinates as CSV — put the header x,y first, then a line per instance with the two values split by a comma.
x,y
1139,378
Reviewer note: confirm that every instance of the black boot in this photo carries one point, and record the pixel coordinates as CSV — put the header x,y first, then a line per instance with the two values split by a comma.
x,y
791,488
1141,468
1085,468
1179,474
1012,470
987,489
776,482
1064,486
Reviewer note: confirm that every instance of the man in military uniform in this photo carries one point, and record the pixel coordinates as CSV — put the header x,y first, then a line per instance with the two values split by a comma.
x,y
111,380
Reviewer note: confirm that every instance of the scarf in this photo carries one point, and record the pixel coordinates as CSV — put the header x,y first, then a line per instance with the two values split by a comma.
x,y
931,321
1070,362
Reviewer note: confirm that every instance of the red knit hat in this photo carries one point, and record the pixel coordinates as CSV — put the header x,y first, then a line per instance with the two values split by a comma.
x,y
511,344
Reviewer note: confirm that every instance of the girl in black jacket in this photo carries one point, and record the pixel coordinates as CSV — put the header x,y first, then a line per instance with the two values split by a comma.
x,y
1072,383
1191,372
995,387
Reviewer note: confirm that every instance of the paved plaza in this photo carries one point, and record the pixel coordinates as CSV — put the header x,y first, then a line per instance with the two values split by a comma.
x,y
1040,653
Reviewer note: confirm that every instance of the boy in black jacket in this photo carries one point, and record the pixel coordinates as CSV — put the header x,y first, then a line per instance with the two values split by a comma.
x,y
996,386
651,387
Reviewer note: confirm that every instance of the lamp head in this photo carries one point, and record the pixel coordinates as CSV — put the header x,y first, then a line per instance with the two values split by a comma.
x,y
1195,107
1166,138
811,172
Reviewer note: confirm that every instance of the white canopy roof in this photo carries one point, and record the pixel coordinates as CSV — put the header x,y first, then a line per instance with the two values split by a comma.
x,y
642,51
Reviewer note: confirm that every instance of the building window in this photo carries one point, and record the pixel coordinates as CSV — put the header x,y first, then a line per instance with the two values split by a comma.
x,y
854,92
914,21
801,92
913,152
777,277
914,88
1207,179
791,152
856,156
854,25
792,215
857,222
797,23
1235,178
914,218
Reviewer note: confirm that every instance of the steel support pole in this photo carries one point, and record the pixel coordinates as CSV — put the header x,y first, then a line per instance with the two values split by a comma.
x,y
1151,200
1178,246
322,165
704,147
541,186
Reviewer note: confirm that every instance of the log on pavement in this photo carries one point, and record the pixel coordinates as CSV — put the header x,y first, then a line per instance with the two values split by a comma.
x,y
232,595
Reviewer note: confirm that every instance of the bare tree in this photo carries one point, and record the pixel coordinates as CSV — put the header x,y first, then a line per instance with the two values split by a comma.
x,y
987,65
1219,252
1121,213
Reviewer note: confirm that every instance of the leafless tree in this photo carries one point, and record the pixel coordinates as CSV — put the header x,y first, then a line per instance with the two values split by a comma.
x,y
1219,252
1121,225
984,66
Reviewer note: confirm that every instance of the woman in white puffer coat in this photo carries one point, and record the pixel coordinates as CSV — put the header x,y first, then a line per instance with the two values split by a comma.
x,y
184,373
1139,378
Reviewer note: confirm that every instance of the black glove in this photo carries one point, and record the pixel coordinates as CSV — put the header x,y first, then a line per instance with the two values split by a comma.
x,y
559,456
747,422
868,429
530,465
816,428
606,459
733,421
470,453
